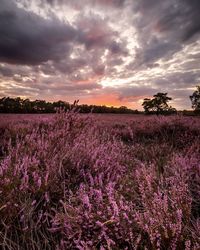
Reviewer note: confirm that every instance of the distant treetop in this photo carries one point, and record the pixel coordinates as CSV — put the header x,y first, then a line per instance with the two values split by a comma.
x,y
19,105
158,104
195,99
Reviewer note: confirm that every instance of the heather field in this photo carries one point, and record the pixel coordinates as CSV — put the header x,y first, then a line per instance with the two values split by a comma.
x,y
72,181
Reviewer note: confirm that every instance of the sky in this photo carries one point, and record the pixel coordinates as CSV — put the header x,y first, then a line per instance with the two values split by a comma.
x,y
104,52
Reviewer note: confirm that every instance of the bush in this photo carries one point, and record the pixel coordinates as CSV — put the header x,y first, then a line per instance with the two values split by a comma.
x,y
67,182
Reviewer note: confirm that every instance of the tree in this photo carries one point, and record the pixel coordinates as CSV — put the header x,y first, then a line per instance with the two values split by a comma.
x,y
11,105
18,105
195,99
158,104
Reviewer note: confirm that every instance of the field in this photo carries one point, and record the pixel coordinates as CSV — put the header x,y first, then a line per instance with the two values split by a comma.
x,y
72,181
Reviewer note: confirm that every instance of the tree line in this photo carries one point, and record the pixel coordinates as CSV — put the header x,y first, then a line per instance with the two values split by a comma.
x,y
156,105
19,105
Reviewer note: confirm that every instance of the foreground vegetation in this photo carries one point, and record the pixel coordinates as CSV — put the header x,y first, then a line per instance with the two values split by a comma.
x,y
72,182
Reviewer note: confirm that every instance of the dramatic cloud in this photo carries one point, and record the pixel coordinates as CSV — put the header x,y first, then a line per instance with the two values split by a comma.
x,y
113,52
27,38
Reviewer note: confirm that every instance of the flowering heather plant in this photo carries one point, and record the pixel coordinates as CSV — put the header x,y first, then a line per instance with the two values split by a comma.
x,y
72,181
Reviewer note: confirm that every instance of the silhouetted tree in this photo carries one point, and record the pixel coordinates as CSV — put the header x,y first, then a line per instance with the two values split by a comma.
x,y
195,99
27,106
158,104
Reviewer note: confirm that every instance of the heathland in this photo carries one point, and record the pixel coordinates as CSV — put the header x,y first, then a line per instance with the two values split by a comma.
x,y
74,181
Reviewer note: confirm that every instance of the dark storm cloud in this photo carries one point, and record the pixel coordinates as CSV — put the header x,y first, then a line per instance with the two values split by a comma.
x,y
172,14
155,49
27,38
30,39
164,27
193,18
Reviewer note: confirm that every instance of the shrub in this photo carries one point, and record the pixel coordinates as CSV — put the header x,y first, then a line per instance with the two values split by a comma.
x,y
67,182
